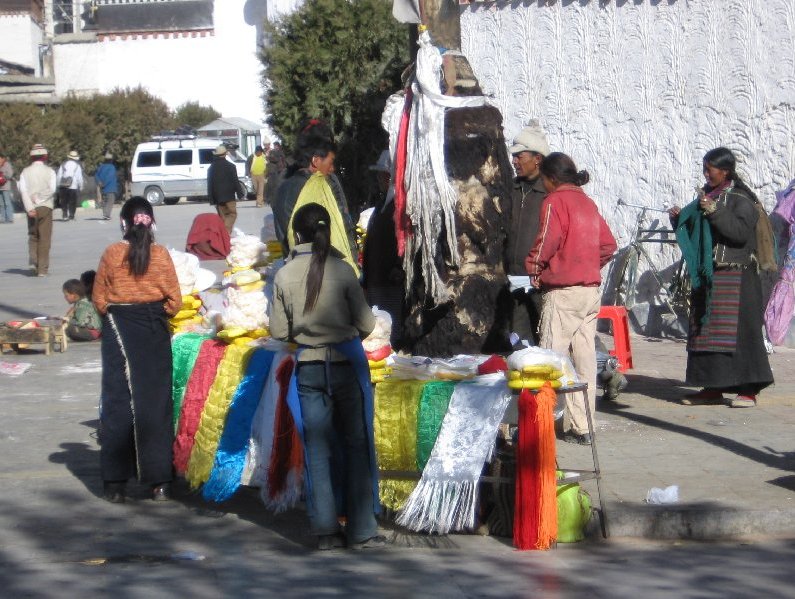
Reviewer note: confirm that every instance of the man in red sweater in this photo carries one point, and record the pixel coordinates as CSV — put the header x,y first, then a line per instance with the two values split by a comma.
x,y
573,244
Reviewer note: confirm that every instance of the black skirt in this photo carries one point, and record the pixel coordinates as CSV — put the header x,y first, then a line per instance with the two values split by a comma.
x,y
136,434
746,368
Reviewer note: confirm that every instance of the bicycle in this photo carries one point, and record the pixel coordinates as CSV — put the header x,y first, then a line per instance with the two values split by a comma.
x,y
624,271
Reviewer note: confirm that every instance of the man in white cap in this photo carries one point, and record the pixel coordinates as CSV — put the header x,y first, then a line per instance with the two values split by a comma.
x,y
222,187
37,188
529,148
70,181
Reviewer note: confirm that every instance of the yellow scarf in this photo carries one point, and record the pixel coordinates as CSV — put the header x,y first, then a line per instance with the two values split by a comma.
x,y
317,191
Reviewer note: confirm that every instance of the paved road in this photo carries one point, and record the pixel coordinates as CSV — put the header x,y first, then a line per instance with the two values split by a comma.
x,y
735,469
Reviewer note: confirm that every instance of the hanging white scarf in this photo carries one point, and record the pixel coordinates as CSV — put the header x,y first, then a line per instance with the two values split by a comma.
x,y
446,495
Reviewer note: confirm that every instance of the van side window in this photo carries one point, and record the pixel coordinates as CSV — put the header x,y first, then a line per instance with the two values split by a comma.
x,y
179,157
205,156
149,159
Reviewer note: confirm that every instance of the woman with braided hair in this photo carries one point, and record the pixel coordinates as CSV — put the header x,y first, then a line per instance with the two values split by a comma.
x,y
136,290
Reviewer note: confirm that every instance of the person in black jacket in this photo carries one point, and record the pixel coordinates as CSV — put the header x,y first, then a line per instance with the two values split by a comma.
x,y
222,187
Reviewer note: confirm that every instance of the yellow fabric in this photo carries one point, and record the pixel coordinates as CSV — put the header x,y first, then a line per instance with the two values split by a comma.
x,y
395,431
258,165
317,190
211,425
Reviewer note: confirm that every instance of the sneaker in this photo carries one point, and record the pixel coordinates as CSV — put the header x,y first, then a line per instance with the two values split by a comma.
x,y
743,401
572,437
161,492
372,543
328,542
705,397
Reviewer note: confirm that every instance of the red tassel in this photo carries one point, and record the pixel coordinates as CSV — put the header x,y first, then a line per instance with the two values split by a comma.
x,y
535,513
287,451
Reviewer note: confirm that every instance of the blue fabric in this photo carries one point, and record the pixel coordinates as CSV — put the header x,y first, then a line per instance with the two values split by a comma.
x,y
694,236
106,177
354,351
230,458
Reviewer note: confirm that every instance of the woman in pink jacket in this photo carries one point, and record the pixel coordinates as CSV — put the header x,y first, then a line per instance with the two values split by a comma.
x,y
565,262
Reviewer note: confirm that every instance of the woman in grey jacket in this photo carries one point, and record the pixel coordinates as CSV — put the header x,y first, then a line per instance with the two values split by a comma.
x,y
319,305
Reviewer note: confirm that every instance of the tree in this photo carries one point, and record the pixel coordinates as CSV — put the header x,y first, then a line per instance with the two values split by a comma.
x,y
22,125
337,60
194,115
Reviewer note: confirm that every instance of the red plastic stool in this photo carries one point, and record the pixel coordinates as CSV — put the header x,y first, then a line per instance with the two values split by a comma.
x,y
622,350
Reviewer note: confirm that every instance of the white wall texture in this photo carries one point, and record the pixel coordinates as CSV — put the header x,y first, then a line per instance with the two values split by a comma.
x,y
636,92
221,70
20,41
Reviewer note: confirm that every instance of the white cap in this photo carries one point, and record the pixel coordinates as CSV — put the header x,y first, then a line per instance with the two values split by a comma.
x,y
530,139
220,150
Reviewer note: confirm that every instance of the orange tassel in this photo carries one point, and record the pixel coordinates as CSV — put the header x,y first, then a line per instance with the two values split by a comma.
x,y
536,511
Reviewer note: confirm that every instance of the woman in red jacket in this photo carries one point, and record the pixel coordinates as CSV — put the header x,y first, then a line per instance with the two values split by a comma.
x,y
573,244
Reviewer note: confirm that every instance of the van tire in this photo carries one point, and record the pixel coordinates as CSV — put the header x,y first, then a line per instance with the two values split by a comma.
x,y
154,195
171,201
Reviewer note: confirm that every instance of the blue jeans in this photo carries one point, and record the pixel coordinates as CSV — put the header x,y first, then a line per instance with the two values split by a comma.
x,y
332,412
6,207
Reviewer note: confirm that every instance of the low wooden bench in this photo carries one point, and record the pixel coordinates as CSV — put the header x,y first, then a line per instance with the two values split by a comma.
x,y
50,333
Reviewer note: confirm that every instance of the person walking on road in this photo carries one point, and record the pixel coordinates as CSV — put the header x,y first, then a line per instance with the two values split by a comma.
x,y
37,186
70,182
136,290
256,167
725,348
6,203
222,187
573,244
108,182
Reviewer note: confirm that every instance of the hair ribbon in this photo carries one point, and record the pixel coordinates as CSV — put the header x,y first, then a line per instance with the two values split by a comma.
x,y
142,218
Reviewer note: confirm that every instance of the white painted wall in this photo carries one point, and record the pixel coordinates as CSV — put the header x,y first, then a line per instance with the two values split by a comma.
x,y
19,41
221,70
637,92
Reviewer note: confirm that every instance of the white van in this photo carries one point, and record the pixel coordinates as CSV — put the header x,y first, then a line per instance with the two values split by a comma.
x,y
167,168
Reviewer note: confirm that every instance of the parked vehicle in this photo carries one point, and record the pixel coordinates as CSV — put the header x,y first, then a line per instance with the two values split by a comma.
x,y
167,168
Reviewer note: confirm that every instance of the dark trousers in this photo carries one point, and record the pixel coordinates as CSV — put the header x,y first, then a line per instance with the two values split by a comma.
x,y
68,202
39,239
332,410
526,315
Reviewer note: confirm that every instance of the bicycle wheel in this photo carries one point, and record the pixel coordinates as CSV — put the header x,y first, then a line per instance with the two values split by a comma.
x,y
625,273
680,288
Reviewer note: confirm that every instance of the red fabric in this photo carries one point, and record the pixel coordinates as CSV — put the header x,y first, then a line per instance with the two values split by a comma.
x,y
402,223
201,379
287,452
208,238
382,353
573,241
535,523
494,364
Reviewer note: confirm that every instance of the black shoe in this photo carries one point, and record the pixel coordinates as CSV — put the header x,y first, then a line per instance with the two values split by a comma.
x,y
161,492
375,542
327,542
113,492
572,437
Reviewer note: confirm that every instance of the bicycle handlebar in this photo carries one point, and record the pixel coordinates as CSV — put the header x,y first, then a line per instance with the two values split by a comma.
x,y
647,208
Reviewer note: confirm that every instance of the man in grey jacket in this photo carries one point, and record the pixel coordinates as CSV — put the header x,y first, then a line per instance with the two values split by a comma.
x,y
528,150
37,188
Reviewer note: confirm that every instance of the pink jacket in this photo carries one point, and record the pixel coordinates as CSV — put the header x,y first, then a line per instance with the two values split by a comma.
x,y
573,242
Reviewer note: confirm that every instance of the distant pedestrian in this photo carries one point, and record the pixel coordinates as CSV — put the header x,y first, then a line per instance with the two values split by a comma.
x,y
222,187
70,182
6,203
108,181
277,164
256,168
565,262
83,322
37,187
136,290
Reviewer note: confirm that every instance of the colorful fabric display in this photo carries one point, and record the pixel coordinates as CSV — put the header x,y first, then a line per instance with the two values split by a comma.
x,y
233,446
201,379
433,406
230,372
396,407
446,496
285,470
536,510
184,350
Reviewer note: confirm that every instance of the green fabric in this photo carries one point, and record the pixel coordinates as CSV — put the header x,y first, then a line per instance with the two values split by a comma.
x,y
694,236
86,315
433,406
184,350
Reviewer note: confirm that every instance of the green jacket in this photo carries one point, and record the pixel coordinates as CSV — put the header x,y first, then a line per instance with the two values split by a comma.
x,y
86,315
